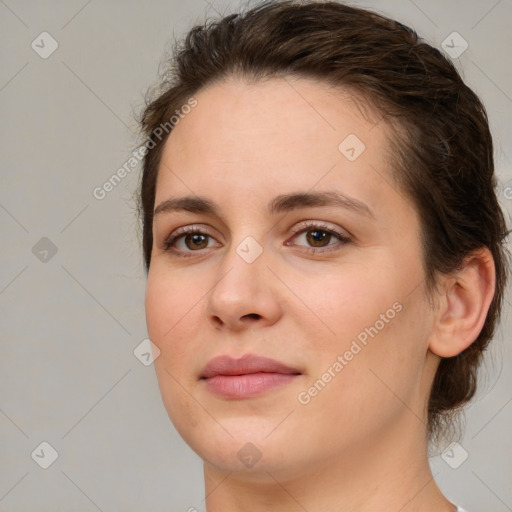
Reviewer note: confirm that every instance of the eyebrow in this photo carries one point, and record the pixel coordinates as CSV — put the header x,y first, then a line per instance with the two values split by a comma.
x,y
280,204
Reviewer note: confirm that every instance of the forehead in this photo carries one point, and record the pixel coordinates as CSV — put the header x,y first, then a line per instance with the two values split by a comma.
x,y
278,110
268,137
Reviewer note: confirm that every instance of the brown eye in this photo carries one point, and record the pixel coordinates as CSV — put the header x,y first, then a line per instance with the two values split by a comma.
x,y
188,240
196,241
315,237
318,237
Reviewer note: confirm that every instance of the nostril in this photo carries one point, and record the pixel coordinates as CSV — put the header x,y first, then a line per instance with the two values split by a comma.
x,y
252,315
217,321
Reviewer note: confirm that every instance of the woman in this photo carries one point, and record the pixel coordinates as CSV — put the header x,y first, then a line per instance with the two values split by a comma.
x,y
325,256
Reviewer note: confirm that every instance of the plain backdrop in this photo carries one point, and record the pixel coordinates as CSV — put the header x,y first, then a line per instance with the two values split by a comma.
x,y
71,275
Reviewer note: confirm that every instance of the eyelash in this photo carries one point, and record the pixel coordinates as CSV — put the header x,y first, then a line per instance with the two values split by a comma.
x,y
169,242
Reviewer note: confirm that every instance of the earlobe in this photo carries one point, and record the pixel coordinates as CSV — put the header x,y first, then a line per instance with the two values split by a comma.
x,y
463,307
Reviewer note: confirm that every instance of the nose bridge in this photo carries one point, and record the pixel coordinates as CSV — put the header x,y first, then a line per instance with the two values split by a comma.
x,y
241,270
242,290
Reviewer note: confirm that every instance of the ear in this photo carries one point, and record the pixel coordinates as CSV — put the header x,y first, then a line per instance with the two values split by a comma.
x,y
463,305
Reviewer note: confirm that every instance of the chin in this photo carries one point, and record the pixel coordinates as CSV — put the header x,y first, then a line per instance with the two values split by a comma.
x,y
240,445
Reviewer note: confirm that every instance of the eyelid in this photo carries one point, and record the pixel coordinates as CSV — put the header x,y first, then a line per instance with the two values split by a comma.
x,y
322,225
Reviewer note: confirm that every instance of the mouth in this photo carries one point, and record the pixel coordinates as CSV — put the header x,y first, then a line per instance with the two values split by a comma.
x,y
247,377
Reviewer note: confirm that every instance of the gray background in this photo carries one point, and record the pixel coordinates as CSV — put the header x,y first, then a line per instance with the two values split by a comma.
x,y
70,324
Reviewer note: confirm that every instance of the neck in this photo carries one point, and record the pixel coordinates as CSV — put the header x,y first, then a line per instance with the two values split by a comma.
x,y
388,473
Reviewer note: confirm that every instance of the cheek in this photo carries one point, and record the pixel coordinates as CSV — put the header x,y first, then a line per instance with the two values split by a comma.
x,y
386,376
367,315
342,302
169,303
379,382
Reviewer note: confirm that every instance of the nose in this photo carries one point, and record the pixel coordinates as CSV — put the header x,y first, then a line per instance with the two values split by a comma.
x,y
244,294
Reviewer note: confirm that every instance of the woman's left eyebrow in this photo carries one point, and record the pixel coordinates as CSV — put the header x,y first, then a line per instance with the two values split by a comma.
x,y
280,204
288,202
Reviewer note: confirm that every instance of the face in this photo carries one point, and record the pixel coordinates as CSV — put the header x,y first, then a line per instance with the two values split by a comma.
x,y
286,298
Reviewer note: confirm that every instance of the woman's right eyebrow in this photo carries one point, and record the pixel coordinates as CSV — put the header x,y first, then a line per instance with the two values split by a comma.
x,y
281,203
193,204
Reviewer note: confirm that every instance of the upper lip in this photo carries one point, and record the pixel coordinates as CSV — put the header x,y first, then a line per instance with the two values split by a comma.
x,y
227,365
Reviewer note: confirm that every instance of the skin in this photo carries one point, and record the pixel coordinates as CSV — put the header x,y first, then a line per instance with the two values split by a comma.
x,y
359,444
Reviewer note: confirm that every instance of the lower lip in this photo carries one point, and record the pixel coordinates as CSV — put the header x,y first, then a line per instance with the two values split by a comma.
x,y
246,386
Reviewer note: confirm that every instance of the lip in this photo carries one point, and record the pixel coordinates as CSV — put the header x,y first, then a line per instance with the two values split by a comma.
x,y
246,377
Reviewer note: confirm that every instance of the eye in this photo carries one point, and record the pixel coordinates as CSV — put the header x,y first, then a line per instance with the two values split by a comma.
x,y
319,236
187,239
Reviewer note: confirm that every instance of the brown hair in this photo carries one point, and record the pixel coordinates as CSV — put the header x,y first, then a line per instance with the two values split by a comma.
x,y
444,153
